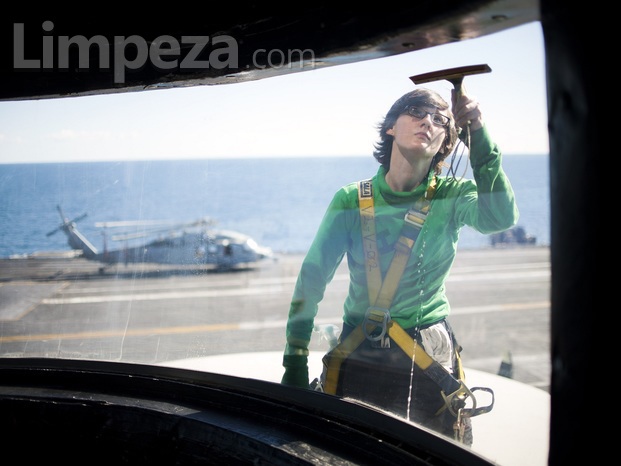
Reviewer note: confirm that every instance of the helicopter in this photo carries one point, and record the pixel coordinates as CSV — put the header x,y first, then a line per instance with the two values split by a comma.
x,y
165,242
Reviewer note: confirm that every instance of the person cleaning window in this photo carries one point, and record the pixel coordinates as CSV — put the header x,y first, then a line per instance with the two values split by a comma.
x,y
399,230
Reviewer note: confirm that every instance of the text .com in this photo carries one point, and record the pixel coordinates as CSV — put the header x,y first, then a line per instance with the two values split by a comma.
x,y
133,52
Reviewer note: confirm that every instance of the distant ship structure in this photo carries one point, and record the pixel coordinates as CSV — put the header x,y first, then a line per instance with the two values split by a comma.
x,y
514,236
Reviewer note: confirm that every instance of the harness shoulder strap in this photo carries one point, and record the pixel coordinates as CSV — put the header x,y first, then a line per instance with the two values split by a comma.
x,y
381,292
369,238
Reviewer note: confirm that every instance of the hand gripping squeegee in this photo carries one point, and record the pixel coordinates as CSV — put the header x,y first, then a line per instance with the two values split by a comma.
x,y
453,75
456,77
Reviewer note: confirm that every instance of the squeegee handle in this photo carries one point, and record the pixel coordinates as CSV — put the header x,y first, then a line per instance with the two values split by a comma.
x,y
458,84
459,89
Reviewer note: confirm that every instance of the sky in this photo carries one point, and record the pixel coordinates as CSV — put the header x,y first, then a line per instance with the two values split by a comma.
x,y
323,112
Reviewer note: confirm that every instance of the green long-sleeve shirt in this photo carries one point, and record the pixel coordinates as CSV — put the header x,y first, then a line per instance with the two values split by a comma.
x,y
486,204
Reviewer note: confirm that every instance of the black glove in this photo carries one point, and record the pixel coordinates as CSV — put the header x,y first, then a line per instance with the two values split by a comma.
x,y
296,371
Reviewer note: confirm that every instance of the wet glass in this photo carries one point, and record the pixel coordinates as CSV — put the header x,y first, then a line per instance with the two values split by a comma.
x,y
188,258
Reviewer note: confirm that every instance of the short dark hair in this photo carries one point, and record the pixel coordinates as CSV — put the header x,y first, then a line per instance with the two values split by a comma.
x,y
420,98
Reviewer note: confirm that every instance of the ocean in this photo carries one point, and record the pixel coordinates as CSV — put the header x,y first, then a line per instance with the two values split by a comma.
x,y
277,201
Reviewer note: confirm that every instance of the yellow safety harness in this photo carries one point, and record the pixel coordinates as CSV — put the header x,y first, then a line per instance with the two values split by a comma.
x,y
377,324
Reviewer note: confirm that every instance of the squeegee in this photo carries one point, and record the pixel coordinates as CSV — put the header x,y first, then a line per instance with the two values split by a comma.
x,y
453,75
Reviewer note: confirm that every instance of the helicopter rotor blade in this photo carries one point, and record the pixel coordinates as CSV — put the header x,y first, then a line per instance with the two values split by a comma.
x,y
62,218
133,223
144,232
65,221
156,227
78,218
127,236
50,233
171,224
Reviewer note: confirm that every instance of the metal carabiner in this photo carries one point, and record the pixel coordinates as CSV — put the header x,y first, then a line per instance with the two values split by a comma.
x,y
459,427
459,397
373,318
474,411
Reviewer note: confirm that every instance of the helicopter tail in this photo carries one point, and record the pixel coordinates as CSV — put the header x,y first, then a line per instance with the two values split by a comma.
x,y
75,239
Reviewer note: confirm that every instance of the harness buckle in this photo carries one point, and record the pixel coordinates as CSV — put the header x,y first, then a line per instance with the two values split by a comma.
x,y
414,217
375,323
